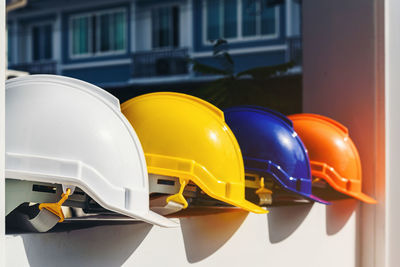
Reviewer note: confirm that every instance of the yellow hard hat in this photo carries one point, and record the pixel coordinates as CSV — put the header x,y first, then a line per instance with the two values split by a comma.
x,y
185,137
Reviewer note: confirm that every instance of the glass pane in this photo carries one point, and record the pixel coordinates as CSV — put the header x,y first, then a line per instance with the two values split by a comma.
x,y
164,27
119,31
83,35
35,43
47,42
267,19
105,32
175,26
75,36
77,32
9,44
230,18
80,36
93,34
249,16
213,19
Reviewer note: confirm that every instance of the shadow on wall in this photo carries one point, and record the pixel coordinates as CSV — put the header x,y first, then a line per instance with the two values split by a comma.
x,y
338,214
284,220
209,232
88,247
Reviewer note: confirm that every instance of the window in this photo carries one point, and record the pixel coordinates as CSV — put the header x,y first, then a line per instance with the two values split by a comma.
x,y
165,27
221,19
98,33
239,19
112,32
42,42
258,18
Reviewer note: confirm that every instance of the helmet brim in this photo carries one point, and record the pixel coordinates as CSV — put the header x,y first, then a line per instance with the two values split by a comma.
x,y
363,197
156,219
357,195
212,186
317,199
249,206
278,175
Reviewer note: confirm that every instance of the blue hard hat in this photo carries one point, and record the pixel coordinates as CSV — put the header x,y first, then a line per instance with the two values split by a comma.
x,y
270,147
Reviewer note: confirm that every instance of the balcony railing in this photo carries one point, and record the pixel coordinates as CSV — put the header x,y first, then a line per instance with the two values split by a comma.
x,y
47,67
295,50
158,63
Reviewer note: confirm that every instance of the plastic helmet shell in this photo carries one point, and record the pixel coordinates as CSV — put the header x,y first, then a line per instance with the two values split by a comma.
x,y
271,147
186,137
64,131
333,155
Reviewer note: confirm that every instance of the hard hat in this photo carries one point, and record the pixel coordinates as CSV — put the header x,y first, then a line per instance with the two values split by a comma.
x,y
187,138
67,133
334,157
271,149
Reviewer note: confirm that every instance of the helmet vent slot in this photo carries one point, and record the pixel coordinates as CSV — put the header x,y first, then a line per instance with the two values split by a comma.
x,y
317,167
250,178
78,192
165,182
191,188
44,188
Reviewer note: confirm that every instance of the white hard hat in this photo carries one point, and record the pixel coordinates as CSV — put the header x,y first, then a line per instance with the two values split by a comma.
x,y
67,132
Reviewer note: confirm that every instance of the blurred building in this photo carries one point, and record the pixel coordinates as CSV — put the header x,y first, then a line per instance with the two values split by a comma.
x,y
121,43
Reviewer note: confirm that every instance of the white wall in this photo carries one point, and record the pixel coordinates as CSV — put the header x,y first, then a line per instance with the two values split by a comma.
x,y
296,18
293,18
343,79
185,21
143,29
392,82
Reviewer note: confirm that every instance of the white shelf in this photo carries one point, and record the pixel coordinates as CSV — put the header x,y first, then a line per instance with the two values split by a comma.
x,y
307,235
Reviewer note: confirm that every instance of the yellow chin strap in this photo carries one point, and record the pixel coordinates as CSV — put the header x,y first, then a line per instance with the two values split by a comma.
x,y
55,208
178,197
264,194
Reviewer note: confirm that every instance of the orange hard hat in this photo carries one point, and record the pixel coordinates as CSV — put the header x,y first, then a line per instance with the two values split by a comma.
x,y
333,155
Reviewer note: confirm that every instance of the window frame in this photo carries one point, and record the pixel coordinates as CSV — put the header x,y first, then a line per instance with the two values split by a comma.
x,y
240,37
29,46
171,37
96,52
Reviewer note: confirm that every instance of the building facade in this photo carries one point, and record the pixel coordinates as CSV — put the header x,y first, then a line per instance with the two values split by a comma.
x,y
119,43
